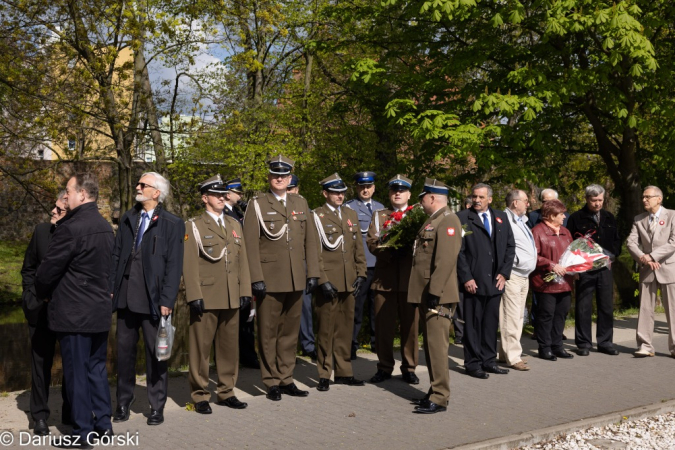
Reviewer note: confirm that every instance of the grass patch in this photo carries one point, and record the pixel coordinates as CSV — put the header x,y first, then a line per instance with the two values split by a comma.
x,y
11,260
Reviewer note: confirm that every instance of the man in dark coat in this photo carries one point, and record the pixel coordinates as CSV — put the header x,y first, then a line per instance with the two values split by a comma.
x,y
73,277
484,264
42,339
147,265
601,225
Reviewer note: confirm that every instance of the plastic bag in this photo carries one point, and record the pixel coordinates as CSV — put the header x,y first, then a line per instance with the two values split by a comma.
x,y
164,341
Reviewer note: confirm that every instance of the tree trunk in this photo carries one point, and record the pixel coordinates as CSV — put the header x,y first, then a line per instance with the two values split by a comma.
x,y
148,102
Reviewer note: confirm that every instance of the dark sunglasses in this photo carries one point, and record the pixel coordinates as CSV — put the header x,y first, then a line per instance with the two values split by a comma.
x,y
144,185
59,210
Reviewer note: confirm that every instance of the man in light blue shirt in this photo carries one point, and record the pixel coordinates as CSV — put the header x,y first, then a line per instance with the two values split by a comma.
x,y
515,292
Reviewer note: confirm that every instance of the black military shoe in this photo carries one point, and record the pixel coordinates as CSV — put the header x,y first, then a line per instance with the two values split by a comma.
x,y
232,402
203,407
410,377
349,381
274,394
429,408
293,391
583,352
420,401
547,355
324,384
563,354
380,376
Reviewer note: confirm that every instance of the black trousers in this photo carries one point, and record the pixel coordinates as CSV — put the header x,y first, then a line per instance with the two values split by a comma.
x,y
128,325
599,282
552,310
84,368
43,346
458,318
360,305
481,321
247,354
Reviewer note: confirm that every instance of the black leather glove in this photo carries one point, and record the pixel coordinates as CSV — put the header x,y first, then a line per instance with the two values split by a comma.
x,y
357,285
432,301
312,283
244,302
197,306
329,290
259,289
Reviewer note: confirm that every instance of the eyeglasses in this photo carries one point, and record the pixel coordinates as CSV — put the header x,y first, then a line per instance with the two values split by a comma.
x,y
649,196
144,185
59,210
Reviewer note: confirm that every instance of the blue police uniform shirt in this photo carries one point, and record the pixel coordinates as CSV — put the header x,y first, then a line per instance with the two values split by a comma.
x,y
364,222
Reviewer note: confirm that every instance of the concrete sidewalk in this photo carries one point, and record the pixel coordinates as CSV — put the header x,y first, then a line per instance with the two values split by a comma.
x,y
481,412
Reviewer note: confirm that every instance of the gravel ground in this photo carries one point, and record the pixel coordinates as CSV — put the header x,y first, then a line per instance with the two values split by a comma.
x,y
657,432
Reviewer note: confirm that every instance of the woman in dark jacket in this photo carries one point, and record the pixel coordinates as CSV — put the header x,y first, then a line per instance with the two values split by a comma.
x,y
553,298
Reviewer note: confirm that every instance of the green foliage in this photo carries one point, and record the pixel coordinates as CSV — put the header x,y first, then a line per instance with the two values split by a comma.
x,y
11,260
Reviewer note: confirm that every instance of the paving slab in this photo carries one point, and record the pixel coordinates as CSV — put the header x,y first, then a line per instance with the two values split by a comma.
x,y
489,413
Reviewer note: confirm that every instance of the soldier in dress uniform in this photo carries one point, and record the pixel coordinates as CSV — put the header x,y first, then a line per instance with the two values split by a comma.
x,y
247,355
217,284
390,285
279,241
433,286
306,337
364,205
343,272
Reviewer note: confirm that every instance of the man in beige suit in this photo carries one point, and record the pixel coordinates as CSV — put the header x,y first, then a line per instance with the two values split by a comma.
x,y
217,284
279,239
652,244
433,286
390,283
343,271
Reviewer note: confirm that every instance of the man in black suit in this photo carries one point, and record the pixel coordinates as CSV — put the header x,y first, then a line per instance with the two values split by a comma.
x,y
601,225
247,355
147,265
483,266
73,279
42,339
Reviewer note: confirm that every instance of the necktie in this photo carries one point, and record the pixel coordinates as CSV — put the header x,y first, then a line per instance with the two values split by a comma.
x,y
370,208
486,223
283,202
596,217
339,214
652,224
141,229
221,225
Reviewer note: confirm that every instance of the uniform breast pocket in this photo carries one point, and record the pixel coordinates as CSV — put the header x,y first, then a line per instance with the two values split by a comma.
x,y
301,219
211,247
273,225
208,281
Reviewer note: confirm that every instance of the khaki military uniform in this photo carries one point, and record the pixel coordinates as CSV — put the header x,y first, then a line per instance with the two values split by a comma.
x,y
217,272
277,256
434,271
340,265
390,283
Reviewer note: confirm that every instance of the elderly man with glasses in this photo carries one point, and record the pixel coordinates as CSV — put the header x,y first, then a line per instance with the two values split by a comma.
x,y
147,264
652,244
